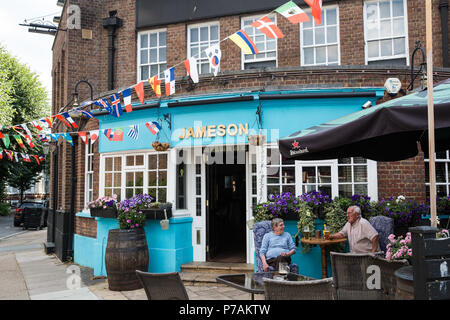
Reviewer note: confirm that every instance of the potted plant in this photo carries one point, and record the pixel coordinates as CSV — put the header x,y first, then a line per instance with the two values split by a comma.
x,y
317,200
256,140
399,248
443,205
104,207
158,146
126,250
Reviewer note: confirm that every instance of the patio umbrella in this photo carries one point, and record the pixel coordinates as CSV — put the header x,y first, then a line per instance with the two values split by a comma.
x,y
389,131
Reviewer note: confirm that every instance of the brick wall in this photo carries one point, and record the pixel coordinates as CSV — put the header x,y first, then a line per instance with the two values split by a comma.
x,y
75,59
86,227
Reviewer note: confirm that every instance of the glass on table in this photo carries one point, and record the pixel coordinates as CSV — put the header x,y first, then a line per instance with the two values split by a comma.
x,y
306,232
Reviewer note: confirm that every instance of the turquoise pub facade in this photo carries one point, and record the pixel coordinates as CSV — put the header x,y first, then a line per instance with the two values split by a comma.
x,y
208,163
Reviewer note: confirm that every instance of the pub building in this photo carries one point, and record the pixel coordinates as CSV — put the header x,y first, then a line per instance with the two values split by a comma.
x,y
210,173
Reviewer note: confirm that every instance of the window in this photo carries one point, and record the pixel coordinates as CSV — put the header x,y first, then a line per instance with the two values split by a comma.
x,y
157,176
151,53
113,176
442,174
134,175
320,43
280,173
335,177
89,174
386,37
201,37
267,47
198,187
141,173
181,186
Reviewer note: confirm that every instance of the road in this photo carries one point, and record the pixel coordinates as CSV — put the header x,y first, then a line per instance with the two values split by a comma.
x,y
7,228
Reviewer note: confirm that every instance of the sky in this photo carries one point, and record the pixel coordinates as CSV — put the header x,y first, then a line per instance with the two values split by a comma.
x,y
33,49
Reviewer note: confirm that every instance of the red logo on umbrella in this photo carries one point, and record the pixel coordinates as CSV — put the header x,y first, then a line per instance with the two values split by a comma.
x,y
295,144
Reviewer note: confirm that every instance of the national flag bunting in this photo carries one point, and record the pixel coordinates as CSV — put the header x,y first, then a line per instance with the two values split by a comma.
x,y
25,157
316,10
191,67
86,113
43,137
83,136
67,136
243,41
24,126
1,154
48,121
36,125
19,140
69,118
116,108
42,158
139,88
292,12
127,99
9,154
156,85
62,119
268,27
214,55
118,134
93,135
37,158
169,76
109,134
153,126
134,132
55,136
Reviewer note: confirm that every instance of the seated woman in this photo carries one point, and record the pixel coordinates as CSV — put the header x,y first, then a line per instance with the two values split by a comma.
x,y
277,246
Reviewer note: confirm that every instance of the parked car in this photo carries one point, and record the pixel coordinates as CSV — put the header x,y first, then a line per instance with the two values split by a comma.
x,y
19,217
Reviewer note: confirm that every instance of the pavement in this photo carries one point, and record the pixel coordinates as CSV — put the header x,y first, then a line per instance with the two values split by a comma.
x,y
28,273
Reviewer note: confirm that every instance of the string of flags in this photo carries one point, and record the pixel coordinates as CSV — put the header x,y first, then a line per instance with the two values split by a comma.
x,y
14,156
113,105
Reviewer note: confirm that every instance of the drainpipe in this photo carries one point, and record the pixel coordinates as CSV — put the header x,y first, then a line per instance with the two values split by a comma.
x,y
443,7
111,23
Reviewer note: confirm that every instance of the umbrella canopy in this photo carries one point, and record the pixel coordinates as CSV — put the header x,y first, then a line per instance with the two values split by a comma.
x,y
389,131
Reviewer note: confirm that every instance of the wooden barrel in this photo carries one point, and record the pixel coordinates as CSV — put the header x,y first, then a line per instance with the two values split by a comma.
x,y
405,283
126,252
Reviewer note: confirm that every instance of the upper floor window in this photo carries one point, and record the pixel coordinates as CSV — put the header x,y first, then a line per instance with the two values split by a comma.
x,y
201,37
386,38
320,43
151,53
267,56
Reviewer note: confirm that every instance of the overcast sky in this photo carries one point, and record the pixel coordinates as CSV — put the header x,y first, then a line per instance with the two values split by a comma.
x,y
33,49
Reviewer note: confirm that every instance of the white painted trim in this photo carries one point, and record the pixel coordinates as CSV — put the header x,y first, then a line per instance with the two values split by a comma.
x,y
138,49
188,42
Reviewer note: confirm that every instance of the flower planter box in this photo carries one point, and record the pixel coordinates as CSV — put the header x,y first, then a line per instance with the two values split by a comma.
x,y
291,216
104,213
157,213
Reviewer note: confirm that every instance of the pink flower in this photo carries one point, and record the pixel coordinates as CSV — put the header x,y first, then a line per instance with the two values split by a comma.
x,y
132,227
137,224
128,221
104,207
410,252
391,237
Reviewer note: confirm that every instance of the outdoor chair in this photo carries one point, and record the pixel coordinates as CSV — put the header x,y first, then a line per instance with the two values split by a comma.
x,y
259,230
299,290
162,286
384,226
388,279
350,273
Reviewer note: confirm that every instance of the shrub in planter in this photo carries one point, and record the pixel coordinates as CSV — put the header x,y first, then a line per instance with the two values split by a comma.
x,y
400,248
105,207
317,201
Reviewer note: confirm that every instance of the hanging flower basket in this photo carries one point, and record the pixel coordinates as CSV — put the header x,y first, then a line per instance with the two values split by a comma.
x,y
256,140
158,146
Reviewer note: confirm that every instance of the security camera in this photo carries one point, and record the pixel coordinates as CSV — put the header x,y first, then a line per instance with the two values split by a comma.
x,y
366,105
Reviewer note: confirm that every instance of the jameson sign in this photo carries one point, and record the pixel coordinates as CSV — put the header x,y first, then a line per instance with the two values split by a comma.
x,y
213,131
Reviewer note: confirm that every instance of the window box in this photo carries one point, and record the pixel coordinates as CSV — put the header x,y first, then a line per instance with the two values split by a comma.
x,y
104,213
157,213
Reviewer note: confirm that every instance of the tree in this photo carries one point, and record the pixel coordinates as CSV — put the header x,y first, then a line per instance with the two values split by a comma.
x,y
22,99
24,177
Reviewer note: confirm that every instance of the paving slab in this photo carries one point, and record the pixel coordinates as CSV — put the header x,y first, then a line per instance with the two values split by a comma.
x,y
75,294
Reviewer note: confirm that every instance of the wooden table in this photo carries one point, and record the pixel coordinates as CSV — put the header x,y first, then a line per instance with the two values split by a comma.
x,y
323,244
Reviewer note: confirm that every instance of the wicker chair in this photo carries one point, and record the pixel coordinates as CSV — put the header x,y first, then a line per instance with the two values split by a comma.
x,y
162,286
299,290
388,279
259,230
350,276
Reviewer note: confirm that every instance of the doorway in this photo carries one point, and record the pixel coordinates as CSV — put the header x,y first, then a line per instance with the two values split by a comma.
x,y
226,213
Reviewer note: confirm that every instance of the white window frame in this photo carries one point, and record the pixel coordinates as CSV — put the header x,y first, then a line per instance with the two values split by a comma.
x,y
133,169
210,43
372,178
159,63
170,189
447,172
405,21
302,47
88,154
272,17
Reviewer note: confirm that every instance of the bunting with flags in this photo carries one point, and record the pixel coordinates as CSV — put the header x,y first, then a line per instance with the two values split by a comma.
x,y
61,118
36,125
316,10
133,133
156,85
153,126
243,41
55,136
214,55
292,12
19,140
93,135
169,76
43,138
115,108
268,27
191,67
6,140
83,136
126,94
67,137
139,88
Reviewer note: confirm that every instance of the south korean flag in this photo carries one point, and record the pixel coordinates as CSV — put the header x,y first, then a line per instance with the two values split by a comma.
x,y
214,55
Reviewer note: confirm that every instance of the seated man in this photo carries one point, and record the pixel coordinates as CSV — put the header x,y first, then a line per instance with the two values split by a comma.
x,y
362,237
277,246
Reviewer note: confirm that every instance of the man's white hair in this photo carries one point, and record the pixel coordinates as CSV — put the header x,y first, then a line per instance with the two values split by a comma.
x,y
355,209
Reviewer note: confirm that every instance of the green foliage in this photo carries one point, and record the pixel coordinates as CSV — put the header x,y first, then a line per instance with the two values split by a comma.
x,y
5,209
336,214
261,213
130,219
23,176
306,220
